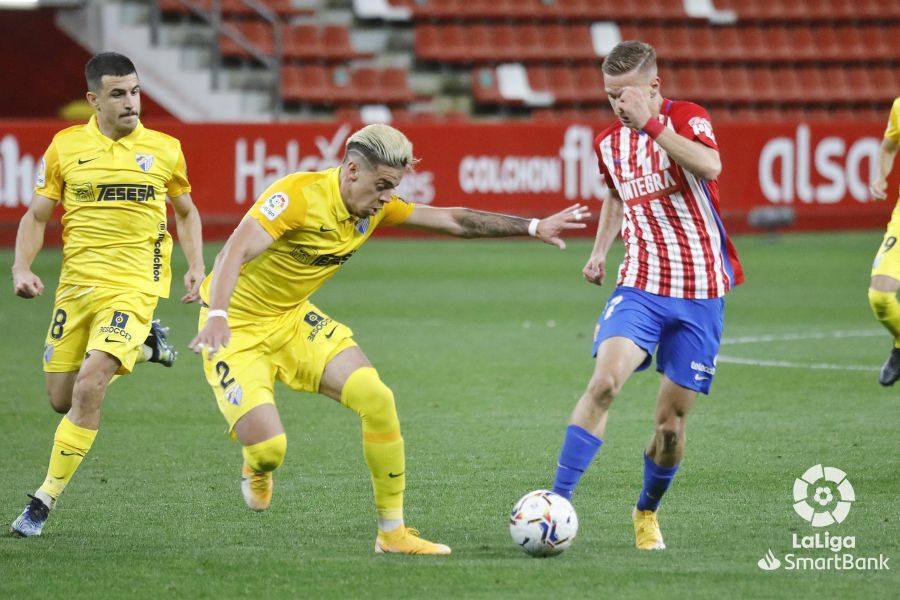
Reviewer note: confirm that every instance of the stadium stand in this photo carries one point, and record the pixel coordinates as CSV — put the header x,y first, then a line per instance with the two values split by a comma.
x,y
744,59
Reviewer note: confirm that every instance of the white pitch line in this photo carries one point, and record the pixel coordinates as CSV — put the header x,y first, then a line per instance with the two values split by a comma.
x,y
786,364
790,337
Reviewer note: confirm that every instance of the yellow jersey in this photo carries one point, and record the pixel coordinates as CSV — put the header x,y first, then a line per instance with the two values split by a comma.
x,y
314,235
114,197
893,133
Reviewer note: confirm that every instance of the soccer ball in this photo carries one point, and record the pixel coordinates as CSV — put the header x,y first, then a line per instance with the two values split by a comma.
x,y
543,523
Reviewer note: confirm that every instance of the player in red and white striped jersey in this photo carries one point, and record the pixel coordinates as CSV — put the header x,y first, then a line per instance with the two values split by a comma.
x,y
660,161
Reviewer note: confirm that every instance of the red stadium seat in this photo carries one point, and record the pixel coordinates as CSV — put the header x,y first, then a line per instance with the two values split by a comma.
x,y
426,43
484,87
563,86
504,43
395,87
336,43
812,85
589,82
366,85
302,43
309,84
562,43
258,33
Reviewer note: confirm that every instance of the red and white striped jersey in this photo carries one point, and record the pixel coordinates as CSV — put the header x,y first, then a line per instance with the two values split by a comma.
x,y
675,243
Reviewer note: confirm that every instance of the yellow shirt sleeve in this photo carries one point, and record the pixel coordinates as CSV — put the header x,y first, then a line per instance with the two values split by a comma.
x,y
49,181
893,128
396,211
179,183
279,211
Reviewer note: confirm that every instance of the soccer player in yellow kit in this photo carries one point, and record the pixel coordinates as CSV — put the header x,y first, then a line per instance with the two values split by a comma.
x,y
886,268
112,177
259,325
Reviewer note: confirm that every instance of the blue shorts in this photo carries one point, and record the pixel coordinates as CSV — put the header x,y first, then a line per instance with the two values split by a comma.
x,y
687,333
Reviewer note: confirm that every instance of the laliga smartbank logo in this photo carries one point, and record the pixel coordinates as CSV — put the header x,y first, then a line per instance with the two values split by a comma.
x,y
831,500
823,497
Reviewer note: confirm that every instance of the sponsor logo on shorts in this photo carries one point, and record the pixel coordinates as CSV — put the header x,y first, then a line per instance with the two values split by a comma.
x,y
318,323
117,327
234,394
702,368
48,353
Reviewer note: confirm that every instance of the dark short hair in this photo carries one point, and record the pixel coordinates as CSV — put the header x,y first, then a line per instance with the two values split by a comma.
x,y
106,63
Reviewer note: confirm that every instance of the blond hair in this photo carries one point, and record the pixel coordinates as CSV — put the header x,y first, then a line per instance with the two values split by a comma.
x,y
629,56
381,144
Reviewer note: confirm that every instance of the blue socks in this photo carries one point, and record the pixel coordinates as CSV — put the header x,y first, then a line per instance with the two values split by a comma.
x,y
657,480
578,450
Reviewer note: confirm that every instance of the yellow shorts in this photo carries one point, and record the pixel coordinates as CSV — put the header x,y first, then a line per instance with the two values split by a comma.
x,y
92,318
293,347
887,261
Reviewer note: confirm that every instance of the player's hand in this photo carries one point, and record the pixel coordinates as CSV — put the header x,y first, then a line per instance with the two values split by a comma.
x,y
214,335
26,284
633,108
878,189
595,270
192,280
550,228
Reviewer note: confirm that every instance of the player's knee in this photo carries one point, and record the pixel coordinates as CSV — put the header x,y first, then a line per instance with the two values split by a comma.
x,y
89,388
60,405
669,434
268,455
603,388
371,399
881,302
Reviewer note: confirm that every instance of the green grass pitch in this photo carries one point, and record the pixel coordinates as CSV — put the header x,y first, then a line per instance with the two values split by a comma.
x,y
486,346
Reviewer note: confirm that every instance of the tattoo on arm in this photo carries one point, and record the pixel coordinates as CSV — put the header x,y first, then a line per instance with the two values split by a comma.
x,y
475,223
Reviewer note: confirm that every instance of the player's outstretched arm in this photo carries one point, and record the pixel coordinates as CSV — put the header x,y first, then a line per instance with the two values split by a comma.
x,y
190,237
608,227
247,242
884,164
29,240
469,223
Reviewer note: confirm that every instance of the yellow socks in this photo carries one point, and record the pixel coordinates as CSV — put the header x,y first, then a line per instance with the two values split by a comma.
x,y
887,311
266,456
70,444
373,401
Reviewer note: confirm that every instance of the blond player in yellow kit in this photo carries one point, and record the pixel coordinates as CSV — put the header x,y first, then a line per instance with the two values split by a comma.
x,y
112,177
259,325
886,268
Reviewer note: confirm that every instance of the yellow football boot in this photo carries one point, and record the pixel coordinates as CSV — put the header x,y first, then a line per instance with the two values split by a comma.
x,y
647,535
406,540
257,488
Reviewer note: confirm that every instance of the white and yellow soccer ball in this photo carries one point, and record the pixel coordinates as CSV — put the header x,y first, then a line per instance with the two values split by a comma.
x,y
543,523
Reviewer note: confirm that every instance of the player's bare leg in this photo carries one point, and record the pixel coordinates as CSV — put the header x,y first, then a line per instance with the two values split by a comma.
x,y
617,358
59,390
673,404
883,300
262,436
73,439
663,455
350,379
